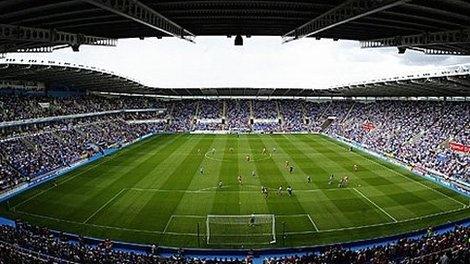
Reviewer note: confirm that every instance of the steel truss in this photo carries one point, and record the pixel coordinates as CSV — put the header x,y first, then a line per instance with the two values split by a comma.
x,y
43,40
426,42
346,12
143,14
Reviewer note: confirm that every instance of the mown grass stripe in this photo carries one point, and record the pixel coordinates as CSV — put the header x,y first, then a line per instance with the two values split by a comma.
x,y
227,173
70,176
159,188
378,207
331,208
386,182
300,160
270,175
180,178
123,178
103,206
146,206
406,176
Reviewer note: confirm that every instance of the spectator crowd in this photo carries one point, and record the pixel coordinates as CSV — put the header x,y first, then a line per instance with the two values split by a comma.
x,y
18,107
27,153
417,133
448,248
31,244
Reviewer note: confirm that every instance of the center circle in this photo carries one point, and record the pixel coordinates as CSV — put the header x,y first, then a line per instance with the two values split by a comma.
x,y
236,157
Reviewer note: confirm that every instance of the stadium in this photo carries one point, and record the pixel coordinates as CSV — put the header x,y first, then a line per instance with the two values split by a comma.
x,y
99,167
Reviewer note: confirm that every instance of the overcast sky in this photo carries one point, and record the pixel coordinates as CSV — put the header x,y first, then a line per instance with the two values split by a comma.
x,y
261,62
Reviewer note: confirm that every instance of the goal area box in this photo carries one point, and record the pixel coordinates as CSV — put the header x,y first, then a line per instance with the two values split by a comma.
x,y
241,229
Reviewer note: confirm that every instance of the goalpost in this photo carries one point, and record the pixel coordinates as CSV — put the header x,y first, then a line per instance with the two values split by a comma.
x,y
241,229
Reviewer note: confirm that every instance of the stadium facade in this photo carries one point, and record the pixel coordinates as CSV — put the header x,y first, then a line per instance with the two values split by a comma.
x,y
451,81
45,105
433,27
80,146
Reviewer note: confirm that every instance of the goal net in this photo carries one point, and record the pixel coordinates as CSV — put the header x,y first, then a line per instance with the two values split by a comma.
x,y
241,229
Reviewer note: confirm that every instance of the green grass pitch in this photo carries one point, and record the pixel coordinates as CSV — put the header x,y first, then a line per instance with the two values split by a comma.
x,y
153,192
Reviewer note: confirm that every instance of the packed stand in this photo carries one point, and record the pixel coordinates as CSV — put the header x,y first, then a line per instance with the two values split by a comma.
x,y
147,115
61,144
33,149
212,126
264,109
451,247
31,244
210,109
415,132
313,112
464,136
14,107
293,116
209,115
266,127
434,154
183,116
392,124
27,158
238,115
9,177
157,120
339,110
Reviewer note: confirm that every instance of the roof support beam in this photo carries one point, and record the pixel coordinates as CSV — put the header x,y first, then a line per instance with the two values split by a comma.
x,y
434,51
47,38
459,81
346,12
425,42
143,14
424,87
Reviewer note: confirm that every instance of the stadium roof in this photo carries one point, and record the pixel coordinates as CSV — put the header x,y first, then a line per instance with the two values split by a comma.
x,y
448,81
432,26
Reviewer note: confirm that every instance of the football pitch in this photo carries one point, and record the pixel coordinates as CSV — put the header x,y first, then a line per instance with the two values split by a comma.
x,y
165,190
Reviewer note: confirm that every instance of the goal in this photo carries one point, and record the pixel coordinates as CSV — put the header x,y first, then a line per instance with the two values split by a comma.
x,y
241,229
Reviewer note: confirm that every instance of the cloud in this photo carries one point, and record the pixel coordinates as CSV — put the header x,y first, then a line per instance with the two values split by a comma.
x,y
416,58
261,62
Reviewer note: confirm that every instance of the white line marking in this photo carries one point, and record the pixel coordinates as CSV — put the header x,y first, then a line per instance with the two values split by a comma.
x,y
168,224
238,156
104,226
102,160
32,197
414,180
313,223
291,215
391,223
194,234
104,205
378,207
190,216
214,189
58,184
